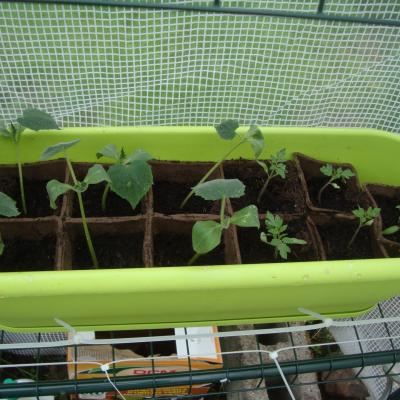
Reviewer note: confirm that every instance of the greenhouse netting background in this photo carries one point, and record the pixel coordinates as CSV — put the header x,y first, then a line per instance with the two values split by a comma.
x,y
103,65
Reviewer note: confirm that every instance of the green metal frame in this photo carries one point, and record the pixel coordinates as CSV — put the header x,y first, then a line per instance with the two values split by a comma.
x,y
217,7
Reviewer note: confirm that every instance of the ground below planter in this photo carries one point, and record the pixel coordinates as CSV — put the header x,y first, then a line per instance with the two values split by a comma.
x,y
113,251
282,195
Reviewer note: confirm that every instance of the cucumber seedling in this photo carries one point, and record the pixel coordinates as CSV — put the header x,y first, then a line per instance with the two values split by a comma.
x,y
227,131
206,235
130,177
277,236
365,218
95,174
274,167
8,209
394,228
35,120
334,174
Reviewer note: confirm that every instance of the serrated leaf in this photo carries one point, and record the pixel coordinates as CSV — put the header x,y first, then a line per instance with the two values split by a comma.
x,y
391,230
227,129
56,189
219,188
36,120
256,139
138,155
347,174
327,169
247,217
206,236
359,212
109,151
274,221
289,240
8,207
131,181
96,174
283,248
51,151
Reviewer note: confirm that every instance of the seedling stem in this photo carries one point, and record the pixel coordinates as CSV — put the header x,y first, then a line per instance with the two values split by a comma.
x,y
21,178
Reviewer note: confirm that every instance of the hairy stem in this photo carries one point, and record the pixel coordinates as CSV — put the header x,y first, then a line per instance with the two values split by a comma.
x,y
21,179
212,169
322,189
264,188
194,259
104,197
83,215
353,238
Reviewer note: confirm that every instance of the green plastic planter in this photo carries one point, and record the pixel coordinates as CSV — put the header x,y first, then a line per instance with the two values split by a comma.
x,y
194,296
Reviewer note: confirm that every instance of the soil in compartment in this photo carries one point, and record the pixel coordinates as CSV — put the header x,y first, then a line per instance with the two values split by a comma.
x,y
387,199
37,200
166,348
174,249
345,199
282,195
336,237
115,207
173,181
28,255
253,250
112,251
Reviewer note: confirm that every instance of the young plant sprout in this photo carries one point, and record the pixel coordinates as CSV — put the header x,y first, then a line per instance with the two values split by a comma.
x,y
95,174
8,208
334,175
277,236
274,167
130,177
227,131
365,218
394,228
35,120
206,235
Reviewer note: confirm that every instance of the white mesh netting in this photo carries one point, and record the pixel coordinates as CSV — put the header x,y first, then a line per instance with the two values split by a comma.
x,y
125,66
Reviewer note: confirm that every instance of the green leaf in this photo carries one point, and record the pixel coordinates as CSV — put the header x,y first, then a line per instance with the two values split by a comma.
x,y
8,206
131,181
138,155
96,174
36,120
347,174
273,221
219,188
289,240
1,247
263,237
246,217
391,230
256,139
109,151
327,169
206,236
227,129
51,151
282,247
359,212
80,187
263,165
56,189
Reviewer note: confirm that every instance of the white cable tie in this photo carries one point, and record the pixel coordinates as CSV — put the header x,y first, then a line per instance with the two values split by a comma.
x,y
311,313
105,367
273,355
225,380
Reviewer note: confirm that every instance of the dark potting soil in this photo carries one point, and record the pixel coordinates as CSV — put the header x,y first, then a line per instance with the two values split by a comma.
x,y
171,250
347,198
253,250
166,348
336,237
389,213
281,195
116,206
167,197
28,255
37,200
112,251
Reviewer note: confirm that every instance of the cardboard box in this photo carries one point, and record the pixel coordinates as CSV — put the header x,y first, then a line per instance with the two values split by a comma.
x,y
133,360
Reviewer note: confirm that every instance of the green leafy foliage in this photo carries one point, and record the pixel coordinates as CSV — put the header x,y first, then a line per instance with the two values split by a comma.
x,y
37,120
220,188
256,139
110,151
131,181
247,217
227,129
55,149
392,229
8,207
366,217
206,236
277,236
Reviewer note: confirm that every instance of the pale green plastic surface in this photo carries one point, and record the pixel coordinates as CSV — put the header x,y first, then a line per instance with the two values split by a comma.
x,y
215,295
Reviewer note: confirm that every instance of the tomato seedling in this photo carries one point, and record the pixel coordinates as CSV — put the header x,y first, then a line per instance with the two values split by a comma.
x,y
365,218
